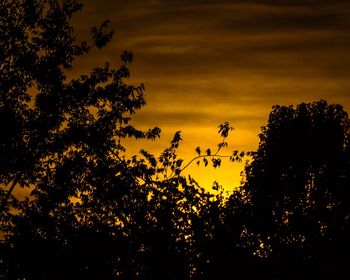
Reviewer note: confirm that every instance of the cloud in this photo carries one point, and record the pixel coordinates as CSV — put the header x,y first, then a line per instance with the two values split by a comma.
x,y
204,61
155,2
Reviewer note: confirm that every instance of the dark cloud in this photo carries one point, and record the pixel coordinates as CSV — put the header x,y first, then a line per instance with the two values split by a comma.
x,y
174,118
280,3
207,38
289,20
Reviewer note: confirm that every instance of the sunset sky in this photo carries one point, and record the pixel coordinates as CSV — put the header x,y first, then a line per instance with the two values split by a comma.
x,y
206,62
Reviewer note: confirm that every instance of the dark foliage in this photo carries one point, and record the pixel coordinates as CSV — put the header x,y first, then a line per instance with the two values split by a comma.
x,y
298,187
93,213
96,213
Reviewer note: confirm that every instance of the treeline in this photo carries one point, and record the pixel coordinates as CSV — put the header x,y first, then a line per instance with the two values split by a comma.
x,y
95,213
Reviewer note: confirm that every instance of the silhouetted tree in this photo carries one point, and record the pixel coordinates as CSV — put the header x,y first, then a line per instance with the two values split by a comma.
x,y
298,187
93,212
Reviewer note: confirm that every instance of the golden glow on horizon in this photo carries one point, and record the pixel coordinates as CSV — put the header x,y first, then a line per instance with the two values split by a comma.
x,y
206,63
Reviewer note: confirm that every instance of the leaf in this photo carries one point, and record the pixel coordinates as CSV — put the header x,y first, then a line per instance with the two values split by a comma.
x,y
224,129
99,37
198,151
216,162
127,57
176,139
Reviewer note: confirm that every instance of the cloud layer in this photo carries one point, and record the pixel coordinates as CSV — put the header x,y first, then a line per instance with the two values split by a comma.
x,y
204,62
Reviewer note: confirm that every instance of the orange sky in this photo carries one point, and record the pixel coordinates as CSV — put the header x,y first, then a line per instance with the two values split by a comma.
x,y
206,62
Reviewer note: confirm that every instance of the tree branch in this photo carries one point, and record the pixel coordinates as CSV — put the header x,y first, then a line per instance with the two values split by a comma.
x,y
8,194
202,156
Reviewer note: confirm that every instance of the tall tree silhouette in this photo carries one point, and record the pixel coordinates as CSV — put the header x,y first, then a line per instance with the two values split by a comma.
x,y
298,185
93,212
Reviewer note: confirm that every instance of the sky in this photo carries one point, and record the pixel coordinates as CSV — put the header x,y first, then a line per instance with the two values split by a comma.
x,y
206,62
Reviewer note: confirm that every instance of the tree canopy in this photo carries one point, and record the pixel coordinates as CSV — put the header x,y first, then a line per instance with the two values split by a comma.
x,y
92,212
96,212
298,186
